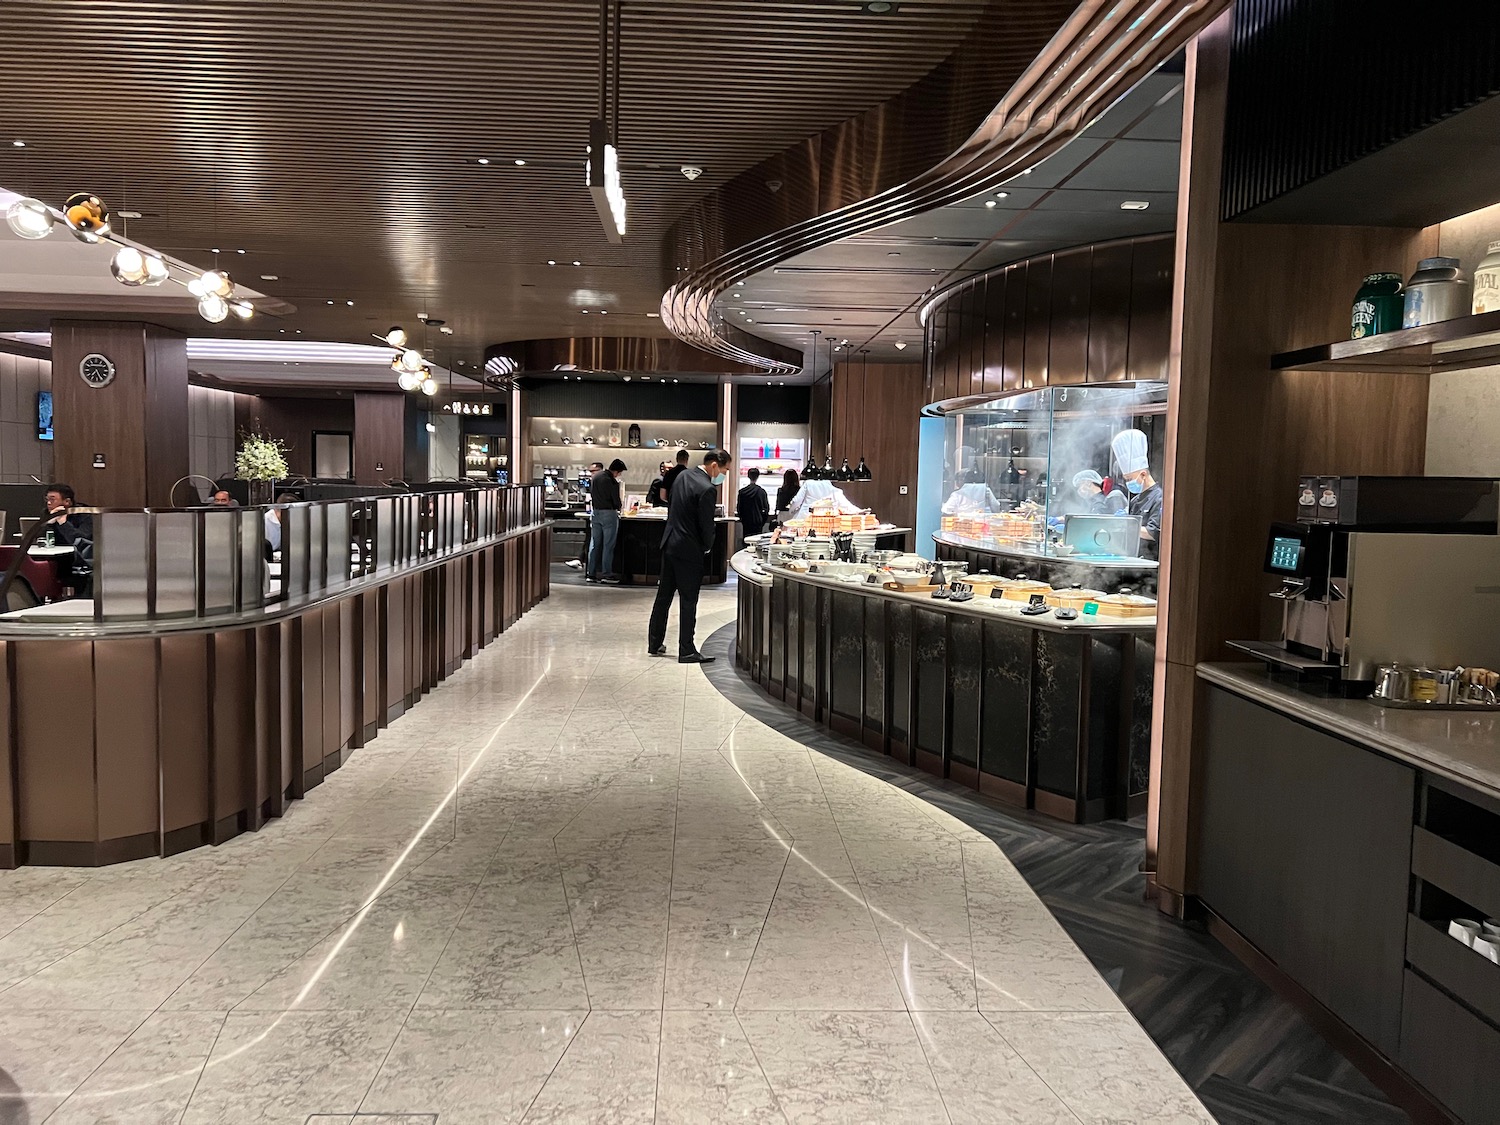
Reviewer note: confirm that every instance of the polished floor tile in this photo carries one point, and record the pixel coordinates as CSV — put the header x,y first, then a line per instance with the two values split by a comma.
x,y
575,884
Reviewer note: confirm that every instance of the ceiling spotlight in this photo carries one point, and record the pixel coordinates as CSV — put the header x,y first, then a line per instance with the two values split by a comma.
x,y
691,171
603,312
1135,205
900,345
585,312
654,315
330,302
213,308
213,249
396,337
552,261
239,251
349,303
29,218
445,330
520,163
18,144
989,203
420,316
242,309
577,263
269,277
408,381
483,160
627,378
1002,195
429,386
86,216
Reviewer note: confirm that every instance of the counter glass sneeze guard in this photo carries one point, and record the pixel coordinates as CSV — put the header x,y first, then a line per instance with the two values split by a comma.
x,y
188,565
1009,465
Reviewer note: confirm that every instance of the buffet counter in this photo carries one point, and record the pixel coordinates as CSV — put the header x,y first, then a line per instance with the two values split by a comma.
x,y
638,548
187,705
1056,569
1402,811
1040,712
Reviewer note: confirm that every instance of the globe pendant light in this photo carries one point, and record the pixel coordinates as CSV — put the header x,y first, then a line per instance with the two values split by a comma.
x,y
213,308
129,266
429,386
29,218
87,217
156,270
242,309
408,382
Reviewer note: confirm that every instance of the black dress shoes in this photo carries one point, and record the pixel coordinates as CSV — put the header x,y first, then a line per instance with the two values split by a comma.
x,y
659,650
696,658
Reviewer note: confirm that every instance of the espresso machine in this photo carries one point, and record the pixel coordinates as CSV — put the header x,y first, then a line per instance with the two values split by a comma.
x,y
1383,569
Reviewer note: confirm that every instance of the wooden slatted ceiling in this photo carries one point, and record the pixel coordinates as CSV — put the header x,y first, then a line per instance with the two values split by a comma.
x,y
334,140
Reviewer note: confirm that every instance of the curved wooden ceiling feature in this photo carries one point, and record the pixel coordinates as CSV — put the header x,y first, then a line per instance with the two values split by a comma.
x,y
648,355
337,141
1099,52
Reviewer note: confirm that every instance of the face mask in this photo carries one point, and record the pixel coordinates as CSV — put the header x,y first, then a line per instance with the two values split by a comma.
x,y
718,480
1135,487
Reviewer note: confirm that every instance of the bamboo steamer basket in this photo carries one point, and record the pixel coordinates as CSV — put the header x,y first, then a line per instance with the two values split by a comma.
x,y
1073,599
1126,605
1015,591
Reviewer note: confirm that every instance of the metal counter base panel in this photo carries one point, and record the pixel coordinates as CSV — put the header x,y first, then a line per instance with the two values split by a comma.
x,y
1037,717
637,558
170,742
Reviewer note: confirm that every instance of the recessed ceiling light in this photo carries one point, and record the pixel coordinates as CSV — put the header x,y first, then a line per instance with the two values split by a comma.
x,y
420,316
1135,205
656,315
577,263
900,345
349,303
585,312
893,253
676,380
520,163
239,251
880,7
213,249
445,330
603,312
627,378
552,261
749,321
1002,195
989,203
18,144
330,302
270,277
482,160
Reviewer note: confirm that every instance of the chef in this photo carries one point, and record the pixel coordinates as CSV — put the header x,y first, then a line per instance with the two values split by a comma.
x,y
972,496
820,492
1130,448
1090,488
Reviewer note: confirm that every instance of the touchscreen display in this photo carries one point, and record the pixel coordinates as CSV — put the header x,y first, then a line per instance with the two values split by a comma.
x,y
1286,554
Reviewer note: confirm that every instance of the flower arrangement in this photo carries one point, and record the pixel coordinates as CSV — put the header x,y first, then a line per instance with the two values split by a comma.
x,y
260,458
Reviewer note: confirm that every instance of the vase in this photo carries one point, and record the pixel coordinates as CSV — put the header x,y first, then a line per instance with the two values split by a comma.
x,y
260,492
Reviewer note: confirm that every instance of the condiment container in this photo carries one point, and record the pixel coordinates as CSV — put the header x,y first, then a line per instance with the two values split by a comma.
x,y
1487,281
1378,306
1437,291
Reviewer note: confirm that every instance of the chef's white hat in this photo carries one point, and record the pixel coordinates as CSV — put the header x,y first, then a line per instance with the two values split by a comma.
x,y
1129,447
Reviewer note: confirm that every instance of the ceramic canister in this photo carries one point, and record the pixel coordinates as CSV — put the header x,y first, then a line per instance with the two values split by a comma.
x,y
1487,281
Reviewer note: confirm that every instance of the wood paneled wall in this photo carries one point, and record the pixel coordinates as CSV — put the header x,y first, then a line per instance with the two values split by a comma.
x,y
1240,434
379,437
293,420
875,413
1092,314
139,422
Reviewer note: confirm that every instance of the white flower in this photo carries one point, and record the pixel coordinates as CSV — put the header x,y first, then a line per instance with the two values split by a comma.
x,y
260,458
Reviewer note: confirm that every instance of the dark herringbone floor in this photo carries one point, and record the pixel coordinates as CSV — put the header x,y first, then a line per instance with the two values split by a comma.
x,y
1251,1058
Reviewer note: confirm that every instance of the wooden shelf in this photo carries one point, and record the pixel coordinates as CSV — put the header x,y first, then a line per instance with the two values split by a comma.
x,y
1449,345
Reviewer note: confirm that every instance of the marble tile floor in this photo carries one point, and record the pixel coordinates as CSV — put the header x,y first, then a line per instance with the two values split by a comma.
x,y
574,884
1248,1054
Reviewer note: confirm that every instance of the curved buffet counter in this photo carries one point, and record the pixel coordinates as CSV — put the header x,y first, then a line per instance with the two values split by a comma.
x,y
194,703
1041,713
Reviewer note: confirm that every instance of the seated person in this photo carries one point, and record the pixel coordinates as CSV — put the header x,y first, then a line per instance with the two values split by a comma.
x,y
222,499
72,530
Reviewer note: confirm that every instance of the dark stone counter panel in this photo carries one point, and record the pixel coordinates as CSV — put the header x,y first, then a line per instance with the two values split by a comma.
x,y
186,737
1035,714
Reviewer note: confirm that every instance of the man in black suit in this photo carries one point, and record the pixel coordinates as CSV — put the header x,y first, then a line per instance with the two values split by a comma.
x,y
685,545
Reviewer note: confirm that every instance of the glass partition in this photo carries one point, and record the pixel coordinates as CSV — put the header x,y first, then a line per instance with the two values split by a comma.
x,y
1057,473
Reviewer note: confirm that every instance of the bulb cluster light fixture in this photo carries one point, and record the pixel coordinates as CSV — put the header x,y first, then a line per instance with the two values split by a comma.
x,y
87,218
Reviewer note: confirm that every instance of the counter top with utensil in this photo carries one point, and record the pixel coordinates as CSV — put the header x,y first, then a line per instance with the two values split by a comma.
x,y
1463,746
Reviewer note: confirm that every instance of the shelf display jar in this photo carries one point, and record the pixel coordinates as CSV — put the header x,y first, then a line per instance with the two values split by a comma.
x,y
1378,306
1487,281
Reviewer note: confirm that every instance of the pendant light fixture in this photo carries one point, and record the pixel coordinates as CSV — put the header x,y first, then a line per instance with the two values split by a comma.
x,y
863,471
810,470
826,472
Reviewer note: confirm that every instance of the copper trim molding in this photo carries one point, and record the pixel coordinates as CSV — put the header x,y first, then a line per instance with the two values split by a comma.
x,y
1101,50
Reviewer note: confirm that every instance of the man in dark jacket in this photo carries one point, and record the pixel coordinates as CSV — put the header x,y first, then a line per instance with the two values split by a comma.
x,y
685,545
604,522
672,474
753,506
76,531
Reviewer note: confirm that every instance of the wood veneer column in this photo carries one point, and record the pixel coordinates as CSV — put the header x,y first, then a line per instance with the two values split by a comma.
x,y
138,422
1238,434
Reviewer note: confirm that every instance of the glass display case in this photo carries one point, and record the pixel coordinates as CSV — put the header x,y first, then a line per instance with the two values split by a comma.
x,y
1066,475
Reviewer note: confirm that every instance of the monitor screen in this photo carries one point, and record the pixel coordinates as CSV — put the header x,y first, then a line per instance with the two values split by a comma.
x,y
1286,554
44,415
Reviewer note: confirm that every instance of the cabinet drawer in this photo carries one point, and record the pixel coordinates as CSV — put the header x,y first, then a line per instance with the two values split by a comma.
x,y
1450,1051
1456,870
1472,978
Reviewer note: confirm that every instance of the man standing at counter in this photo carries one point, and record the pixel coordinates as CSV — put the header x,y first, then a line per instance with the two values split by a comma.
x,y
605,499
685,544
1130,450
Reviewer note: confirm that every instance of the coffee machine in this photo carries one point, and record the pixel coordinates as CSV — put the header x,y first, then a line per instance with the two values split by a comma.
x,y
1381,569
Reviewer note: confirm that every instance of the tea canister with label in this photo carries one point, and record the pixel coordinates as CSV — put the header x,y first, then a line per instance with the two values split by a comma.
x,y
1487,281
1437,291
1378,306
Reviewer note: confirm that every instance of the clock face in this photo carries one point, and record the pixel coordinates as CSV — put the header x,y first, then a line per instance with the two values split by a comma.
x,y
97,370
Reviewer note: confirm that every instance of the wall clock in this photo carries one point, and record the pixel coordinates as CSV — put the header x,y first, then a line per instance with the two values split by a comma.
x,y
97,370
